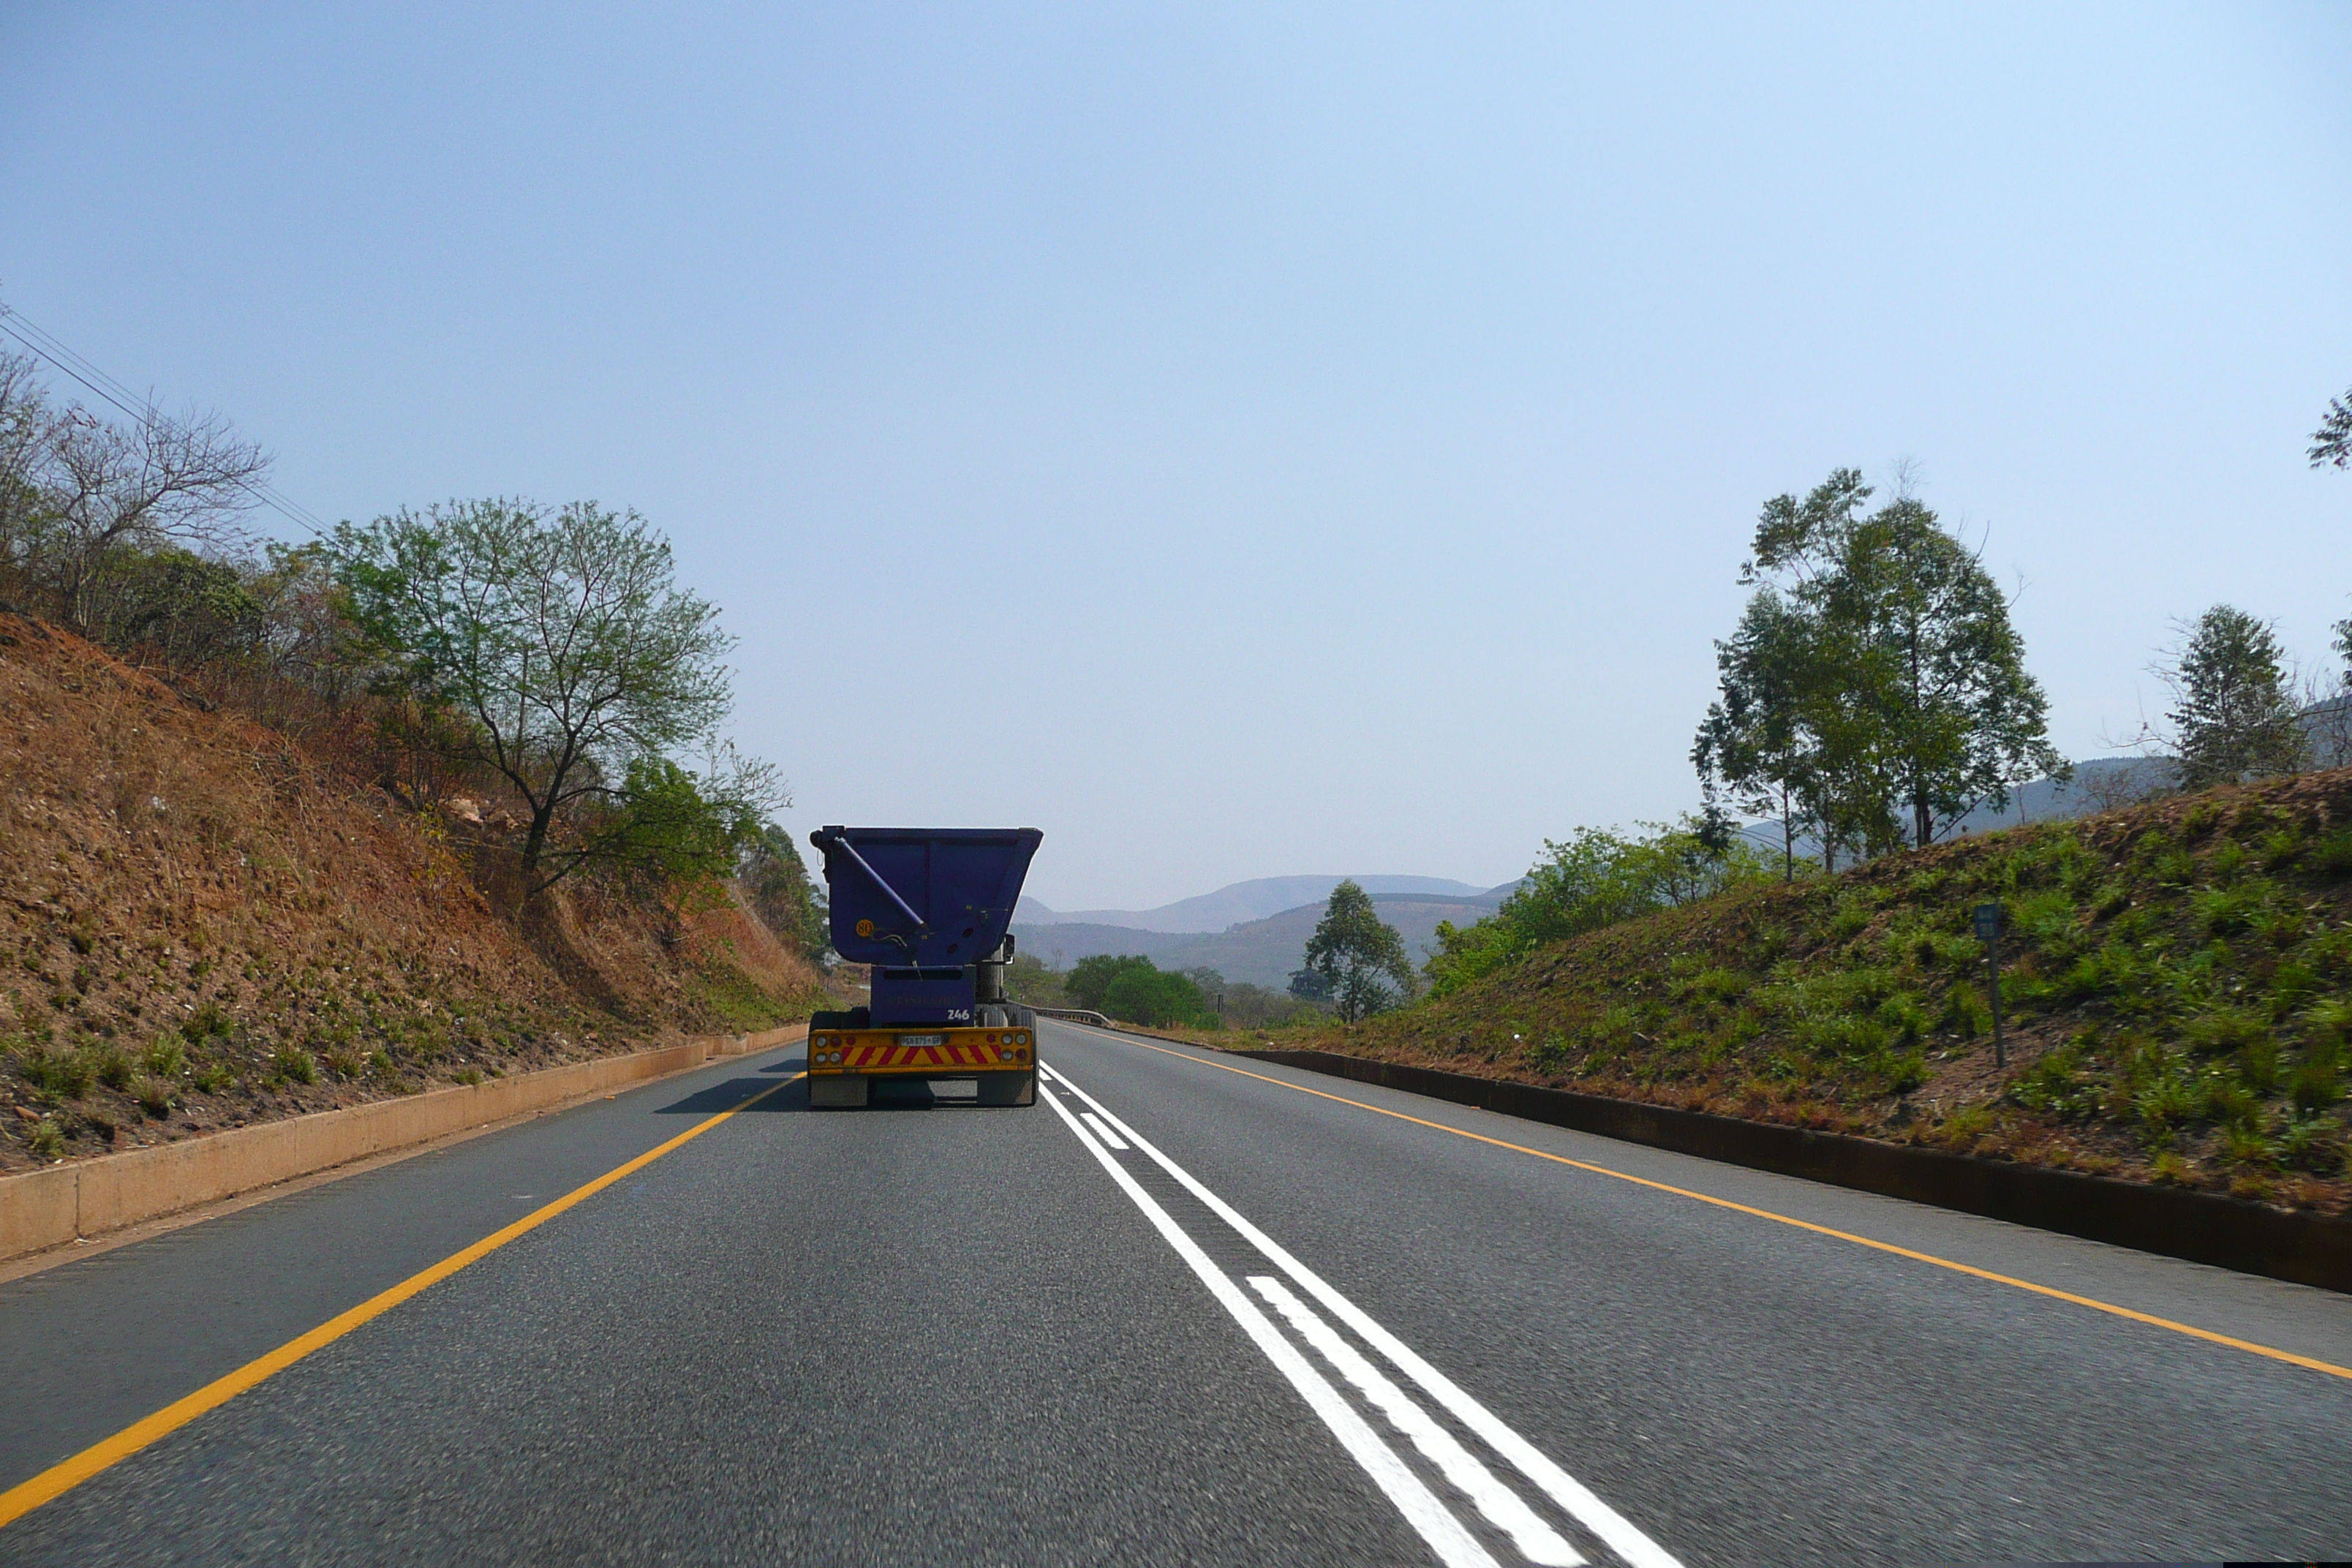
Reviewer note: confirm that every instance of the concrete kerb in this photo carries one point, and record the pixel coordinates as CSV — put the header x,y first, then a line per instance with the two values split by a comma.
x,y
2229,1233
88,1198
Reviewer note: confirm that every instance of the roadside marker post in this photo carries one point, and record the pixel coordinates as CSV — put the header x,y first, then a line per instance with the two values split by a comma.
x,y
1988,933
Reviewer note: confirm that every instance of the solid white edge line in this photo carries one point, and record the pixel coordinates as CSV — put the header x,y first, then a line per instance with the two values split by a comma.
x,y
1454,1544
1536,1542
1571,1494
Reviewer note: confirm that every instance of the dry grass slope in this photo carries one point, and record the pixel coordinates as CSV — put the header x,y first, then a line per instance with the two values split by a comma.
x,y
205,927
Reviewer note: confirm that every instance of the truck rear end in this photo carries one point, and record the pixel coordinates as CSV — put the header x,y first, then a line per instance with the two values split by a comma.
x,y
928,910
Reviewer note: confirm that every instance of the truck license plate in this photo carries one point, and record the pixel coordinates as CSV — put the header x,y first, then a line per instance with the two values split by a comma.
x,y
922,1039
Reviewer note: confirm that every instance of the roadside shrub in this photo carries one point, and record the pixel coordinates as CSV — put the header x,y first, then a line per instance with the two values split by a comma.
x,y
2227,1029
1900,1072
213,1079
1962,1127
154,1095
2225,911
295,1065
2313,1144
2282,849
166,1056
209,1020
2247,1146
2055,1086
468,1076
2228,1100
111,1067
2167,1102
343,1061
1907,1016
2319,1078
2331,856
58,1072
48,1140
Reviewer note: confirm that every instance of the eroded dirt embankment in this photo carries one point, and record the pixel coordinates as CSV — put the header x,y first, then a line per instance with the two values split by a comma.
x,y
204,928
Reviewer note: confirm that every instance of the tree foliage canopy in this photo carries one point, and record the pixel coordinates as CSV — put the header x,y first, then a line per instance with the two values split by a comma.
x,y
2332,442
1874,690
1132,988
562,642
2237,717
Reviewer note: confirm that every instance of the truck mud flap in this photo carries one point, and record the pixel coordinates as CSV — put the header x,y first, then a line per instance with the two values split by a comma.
x,y
1008,1087
837,1091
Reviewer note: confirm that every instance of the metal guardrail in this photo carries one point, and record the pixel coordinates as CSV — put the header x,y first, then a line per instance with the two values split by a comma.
x,y
1075,1016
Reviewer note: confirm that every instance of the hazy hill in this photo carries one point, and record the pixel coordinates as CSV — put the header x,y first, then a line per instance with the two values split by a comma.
x,y
1252,901
1262,951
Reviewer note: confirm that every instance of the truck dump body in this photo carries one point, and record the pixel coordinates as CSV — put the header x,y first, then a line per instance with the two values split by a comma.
x,y
928,910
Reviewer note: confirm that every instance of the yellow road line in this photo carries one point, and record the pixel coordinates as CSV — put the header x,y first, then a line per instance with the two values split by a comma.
x,y
2330,1368
63,1477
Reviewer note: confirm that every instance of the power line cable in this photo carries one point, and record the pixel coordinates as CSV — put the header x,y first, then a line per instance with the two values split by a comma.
x,y
49,347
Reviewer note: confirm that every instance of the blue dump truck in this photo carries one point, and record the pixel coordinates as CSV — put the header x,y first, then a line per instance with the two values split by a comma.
x,y
927,909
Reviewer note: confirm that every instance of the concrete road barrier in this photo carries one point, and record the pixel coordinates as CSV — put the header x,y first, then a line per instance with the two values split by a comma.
x,y
85,1198
2229,1233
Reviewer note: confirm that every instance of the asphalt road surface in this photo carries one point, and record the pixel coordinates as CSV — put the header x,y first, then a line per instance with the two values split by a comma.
x,y
1185,1310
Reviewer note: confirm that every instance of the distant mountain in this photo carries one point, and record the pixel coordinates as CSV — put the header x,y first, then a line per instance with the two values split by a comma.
x,y
1262,951
1239,902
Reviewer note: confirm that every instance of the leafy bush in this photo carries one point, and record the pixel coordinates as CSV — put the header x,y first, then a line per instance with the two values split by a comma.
x,y
1597,879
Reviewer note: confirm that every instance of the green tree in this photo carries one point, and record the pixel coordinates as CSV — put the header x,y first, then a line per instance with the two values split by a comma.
x,y
1156,998
665,828
2238,718
562,641
1361,958
1914,687
1089,979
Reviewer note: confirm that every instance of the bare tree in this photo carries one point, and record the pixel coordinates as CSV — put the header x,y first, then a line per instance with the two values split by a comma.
x,y
75,487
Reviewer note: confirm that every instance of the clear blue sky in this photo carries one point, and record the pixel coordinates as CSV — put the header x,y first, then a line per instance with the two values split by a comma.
x,y
1243,441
